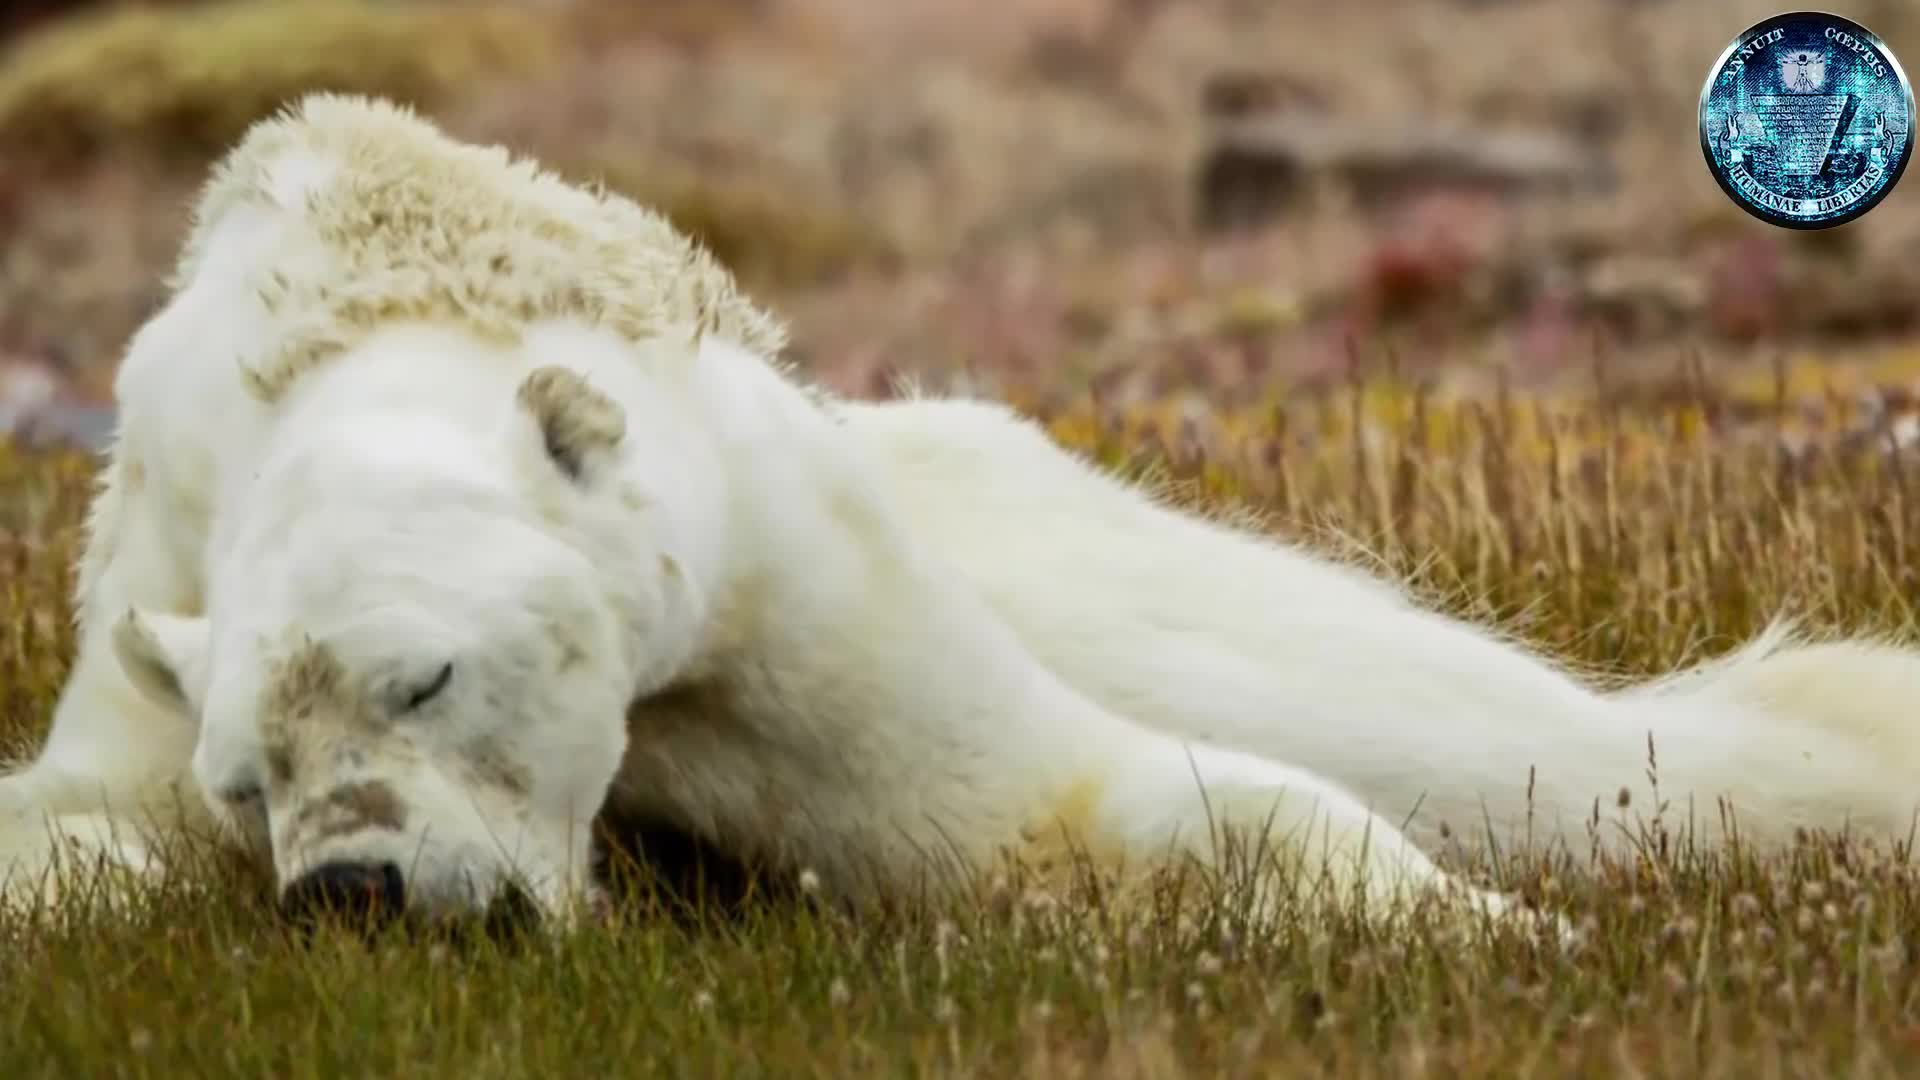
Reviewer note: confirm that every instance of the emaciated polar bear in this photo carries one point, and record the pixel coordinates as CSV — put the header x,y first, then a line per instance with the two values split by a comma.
x,y
451,502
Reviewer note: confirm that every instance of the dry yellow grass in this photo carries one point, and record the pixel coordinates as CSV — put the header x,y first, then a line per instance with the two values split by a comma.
x,y
1624,536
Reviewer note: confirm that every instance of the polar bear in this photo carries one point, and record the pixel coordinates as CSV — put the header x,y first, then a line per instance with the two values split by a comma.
x,y
452,504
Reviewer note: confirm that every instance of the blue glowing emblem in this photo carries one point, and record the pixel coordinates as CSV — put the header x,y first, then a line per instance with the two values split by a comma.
x,y
1806,120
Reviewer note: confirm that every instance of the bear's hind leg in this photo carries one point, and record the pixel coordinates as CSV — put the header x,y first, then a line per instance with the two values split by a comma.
x,y
1168,798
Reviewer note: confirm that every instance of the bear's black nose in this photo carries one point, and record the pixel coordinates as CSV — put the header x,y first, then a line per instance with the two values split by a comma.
x,y
364,893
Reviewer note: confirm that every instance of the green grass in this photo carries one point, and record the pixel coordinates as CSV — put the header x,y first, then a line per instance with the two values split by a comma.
x,y
1626,535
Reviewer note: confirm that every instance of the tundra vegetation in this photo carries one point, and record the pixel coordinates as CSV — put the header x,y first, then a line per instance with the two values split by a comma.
x,y
1627,426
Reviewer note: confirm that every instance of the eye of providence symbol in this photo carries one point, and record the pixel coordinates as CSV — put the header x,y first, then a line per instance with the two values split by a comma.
x,y
1806,120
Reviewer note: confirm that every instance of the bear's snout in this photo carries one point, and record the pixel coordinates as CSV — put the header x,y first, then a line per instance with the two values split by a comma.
x,y
371,894
372,897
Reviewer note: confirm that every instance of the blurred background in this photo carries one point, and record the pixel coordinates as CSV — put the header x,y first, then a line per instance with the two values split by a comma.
x,y
1208,202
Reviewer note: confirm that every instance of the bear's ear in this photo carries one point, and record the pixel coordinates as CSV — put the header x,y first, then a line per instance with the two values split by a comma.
x,y
579,425
158,651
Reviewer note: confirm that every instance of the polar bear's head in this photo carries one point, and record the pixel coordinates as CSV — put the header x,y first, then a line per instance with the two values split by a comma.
x,y
419,649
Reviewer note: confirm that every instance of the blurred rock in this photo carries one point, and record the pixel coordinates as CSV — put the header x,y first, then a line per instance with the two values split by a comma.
x,y
10,185
1858,301
1640,295
21,15
1589,114
25,389
1259,166
37,409
1746,288
1234,95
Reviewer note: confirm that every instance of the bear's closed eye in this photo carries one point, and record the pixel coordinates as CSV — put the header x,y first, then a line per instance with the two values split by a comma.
x,y
427,692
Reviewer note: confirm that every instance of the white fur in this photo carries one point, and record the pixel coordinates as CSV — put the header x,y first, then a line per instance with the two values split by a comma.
x,y
1213,634
855,638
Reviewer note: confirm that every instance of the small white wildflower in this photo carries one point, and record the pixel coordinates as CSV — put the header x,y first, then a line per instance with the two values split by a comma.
x,y
1038,901
809,882
1676,980
703,1000
1891,958
837,993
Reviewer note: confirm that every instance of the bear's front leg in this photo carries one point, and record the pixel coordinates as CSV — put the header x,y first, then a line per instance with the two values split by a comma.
x,y
46,857
1164,798
110,787
112,782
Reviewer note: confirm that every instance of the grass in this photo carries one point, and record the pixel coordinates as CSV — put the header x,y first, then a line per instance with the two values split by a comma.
x,y
187,79
1626,528
1625,533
